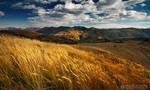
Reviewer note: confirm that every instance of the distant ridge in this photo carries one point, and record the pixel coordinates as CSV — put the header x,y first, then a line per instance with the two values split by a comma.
x,y
36,35
81,34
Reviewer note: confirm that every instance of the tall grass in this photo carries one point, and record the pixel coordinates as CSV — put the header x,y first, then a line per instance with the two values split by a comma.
x,y
33,65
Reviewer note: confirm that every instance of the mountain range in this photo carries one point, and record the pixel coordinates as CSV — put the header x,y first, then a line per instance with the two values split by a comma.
x,y
81,34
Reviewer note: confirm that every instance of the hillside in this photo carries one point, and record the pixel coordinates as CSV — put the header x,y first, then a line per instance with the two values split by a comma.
x,y
35,35
79,34
31,64
83,34
132,50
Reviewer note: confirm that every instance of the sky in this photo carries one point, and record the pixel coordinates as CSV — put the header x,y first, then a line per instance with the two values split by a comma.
x,y
89,13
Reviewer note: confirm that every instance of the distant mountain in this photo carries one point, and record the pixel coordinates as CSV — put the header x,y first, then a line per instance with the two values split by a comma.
x,y
33,29
11,28
79,33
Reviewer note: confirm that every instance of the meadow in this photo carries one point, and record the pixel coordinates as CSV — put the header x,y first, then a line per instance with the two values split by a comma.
x,y
133,50
27,64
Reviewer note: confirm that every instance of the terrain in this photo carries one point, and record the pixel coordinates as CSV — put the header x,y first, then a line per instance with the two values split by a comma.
x,y
80,34
83,34
38,36
74,58
32,64
132,50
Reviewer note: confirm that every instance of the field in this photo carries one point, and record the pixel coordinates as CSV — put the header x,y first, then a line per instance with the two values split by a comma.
x,y
27,64
132,50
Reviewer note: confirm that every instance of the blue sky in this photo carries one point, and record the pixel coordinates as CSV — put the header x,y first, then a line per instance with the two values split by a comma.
x,y
89,13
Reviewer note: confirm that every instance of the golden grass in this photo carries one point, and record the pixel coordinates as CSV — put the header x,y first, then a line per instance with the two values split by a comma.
x,y
33,65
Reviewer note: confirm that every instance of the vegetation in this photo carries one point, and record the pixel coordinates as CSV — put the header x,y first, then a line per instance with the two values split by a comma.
x,y
34,65
83,34
76,35
133,50
38,36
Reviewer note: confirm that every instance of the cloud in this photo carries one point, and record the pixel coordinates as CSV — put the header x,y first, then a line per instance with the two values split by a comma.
x,y
110,3
71,6
2,13
143,4
29,7
133,15
24,5
140,24
45,1
19,4
83,11
69,13
58,18
130,3
111,25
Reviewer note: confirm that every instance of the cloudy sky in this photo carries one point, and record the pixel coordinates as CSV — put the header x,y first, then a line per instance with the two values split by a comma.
x,y
90,13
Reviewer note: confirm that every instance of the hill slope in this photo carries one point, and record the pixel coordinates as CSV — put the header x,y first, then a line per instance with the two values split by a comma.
x,y
31,64
132,50
80,34
36,35
83,34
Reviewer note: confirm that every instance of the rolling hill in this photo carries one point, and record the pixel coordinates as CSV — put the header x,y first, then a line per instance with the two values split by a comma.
x,y
79,34
83,34
31,64
132,50
38,36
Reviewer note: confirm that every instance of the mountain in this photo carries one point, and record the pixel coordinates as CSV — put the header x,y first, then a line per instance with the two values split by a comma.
x,y
11,28
36,35
33,29
79,33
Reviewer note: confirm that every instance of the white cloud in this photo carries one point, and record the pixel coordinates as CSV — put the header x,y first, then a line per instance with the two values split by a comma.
x,y
2,13
19,4
86,11
55,20
45,1
24,6
133,15
143,4
133,2
121,25
72,6
111,25
29,6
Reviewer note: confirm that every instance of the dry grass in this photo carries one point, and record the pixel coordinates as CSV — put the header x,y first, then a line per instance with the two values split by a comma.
x,y
33,65
131,50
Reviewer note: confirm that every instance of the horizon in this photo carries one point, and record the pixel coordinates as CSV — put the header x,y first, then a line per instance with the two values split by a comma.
x,y
71,27
87,13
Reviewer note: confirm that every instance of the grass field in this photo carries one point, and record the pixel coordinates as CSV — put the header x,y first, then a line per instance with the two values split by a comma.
x,y
33,65
135,51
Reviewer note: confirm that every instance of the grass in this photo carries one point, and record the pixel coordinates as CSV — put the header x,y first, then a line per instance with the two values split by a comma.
x,y
33,65
131,50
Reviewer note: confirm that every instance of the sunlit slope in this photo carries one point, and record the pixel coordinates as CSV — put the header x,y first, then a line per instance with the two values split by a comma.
x,y
135,51
33,65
